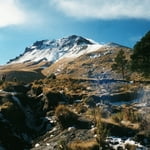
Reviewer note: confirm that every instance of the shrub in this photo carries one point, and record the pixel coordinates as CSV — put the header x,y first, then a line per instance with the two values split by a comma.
x,y
62,144
90,101
52,99
101,129
65,116
140,60
127,114
145,122
80,108
130,147
131,115
52,76
8,86
117,117
37,89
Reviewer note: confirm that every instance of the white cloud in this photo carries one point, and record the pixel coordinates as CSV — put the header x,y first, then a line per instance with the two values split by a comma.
x,y
11,13
103,9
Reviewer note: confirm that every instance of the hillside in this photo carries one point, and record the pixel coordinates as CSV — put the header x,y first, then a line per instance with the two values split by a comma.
x,y
58,91
90,65
57,112
72,56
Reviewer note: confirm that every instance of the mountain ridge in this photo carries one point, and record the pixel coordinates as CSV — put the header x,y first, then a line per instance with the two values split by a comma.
x,y
53,50
73,56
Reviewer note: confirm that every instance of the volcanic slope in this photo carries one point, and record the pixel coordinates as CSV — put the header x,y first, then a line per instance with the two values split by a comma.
x,y
74,56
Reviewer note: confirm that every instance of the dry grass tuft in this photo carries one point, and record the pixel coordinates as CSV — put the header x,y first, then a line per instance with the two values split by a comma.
x,y
84,145
126,114
7,105
65,116
130,147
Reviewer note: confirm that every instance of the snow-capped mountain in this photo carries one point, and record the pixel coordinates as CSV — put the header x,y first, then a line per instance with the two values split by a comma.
x,y
73,55
52,51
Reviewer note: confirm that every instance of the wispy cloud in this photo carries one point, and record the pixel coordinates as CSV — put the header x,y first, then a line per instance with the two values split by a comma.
x,y
11,13
103,9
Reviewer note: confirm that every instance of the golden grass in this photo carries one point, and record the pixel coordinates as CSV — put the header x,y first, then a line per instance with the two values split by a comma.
x,y
83,145
126,114
69,86
6,105
6,84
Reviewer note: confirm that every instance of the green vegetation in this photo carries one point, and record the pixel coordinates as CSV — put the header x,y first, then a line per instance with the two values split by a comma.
x,y
140,60
120,64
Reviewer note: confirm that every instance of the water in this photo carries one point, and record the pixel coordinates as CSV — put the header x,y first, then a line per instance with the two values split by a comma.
x,y
117,142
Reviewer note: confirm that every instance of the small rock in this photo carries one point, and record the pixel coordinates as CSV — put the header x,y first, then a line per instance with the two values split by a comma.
x,y
37,145
71,128
47,144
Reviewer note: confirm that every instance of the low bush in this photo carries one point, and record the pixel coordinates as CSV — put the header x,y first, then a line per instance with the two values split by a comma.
x,y
101,129
1,82
65,116
130,147
80,108
127,114
53,98
117,117
13,114
37,89
51,76
90,101
7,86
62,144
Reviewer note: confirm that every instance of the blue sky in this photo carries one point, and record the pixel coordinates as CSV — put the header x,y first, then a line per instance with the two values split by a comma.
x,y
22,22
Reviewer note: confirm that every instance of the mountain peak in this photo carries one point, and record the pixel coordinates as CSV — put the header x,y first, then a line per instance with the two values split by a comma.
x,y
79,40
70,41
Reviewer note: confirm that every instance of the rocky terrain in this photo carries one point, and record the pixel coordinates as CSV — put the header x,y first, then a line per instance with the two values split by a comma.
x,y
63,94
28,114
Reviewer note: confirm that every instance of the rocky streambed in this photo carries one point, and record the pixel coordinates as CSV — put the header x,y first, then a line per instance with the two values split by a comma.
x,y
28,120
